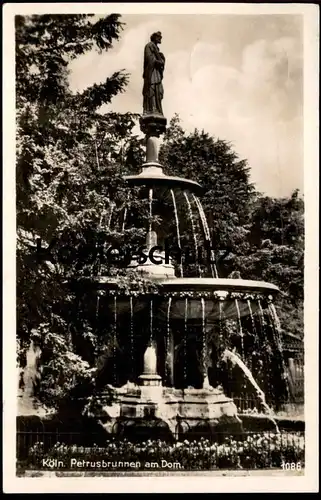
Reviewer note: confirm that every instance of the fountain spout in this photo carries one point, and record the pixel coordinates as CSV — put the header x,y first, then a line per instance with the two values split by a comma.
x,y
150,361
150,376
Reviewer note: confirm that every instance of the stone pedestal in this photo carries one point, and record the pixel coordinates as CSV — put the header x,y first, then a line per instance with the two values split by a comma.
x,y
182,413
152,148
150,381
152,126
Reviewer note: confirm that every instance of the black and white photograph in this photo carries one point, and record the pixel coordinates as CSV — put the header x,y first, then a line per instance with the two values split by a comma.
x,y
160,276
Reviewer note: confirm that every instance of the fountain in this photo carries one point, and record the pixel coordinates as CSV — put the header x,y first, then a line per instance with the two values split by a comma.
x,y
168,344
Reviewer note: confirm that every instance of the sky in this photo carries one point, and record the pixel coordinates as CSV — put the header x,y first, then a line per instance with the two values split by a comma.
x,y
238,77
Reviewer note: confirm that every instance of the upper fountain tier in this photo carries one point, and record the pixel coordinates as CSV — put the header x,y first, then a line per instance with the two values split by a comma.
x,y
153,176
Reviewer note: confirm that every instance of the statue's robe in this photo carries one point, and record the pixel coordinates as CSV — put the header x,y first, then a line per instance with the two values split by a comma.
x,y
153,92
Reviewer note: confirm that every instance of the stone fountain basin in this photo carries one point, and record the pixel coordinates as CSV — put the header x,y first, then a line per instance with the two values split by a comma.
x,y
211,297
216,297
188,409
222,285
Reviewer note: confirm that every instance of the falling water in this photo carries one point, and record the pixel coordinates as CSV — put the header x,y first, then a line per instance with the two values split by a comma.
x,y
236,360
240,326
256,338
115,338
124,220
125,213
220,309
97,306
168,359
185,339
261,314
151,321
207,234
202,217
276,325
177,229
112,206
193,227
150,199
204,360
265,333
131,335
252,317
198,225
263,322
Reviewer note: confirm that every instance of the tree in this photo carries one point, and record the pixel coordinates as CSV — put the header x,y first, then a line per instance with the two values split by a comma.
x,y
276,254
53,123
70,162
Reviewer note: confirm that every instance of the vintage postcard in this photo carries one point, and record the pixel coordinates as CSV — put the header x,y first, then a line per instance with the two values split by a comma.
x,y
160,247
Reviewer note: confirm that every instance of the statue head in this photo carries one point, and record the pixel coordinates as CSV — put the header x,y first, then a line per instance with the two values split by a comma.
x,y
156,37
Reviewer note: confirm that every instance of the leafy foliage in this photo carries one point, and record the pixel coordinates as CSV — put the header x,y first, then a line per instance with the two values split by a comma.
x,y
277,254
70,162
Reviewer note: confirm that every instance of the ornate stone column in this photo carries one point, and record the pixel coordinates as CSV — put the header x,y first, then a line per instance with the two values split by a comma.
x,y
152,125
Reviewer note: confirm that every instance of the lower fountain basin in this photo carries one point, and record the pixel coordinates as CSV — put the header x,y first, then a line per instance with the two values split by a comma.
x,y
188,319
224,286
221,285
213,297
